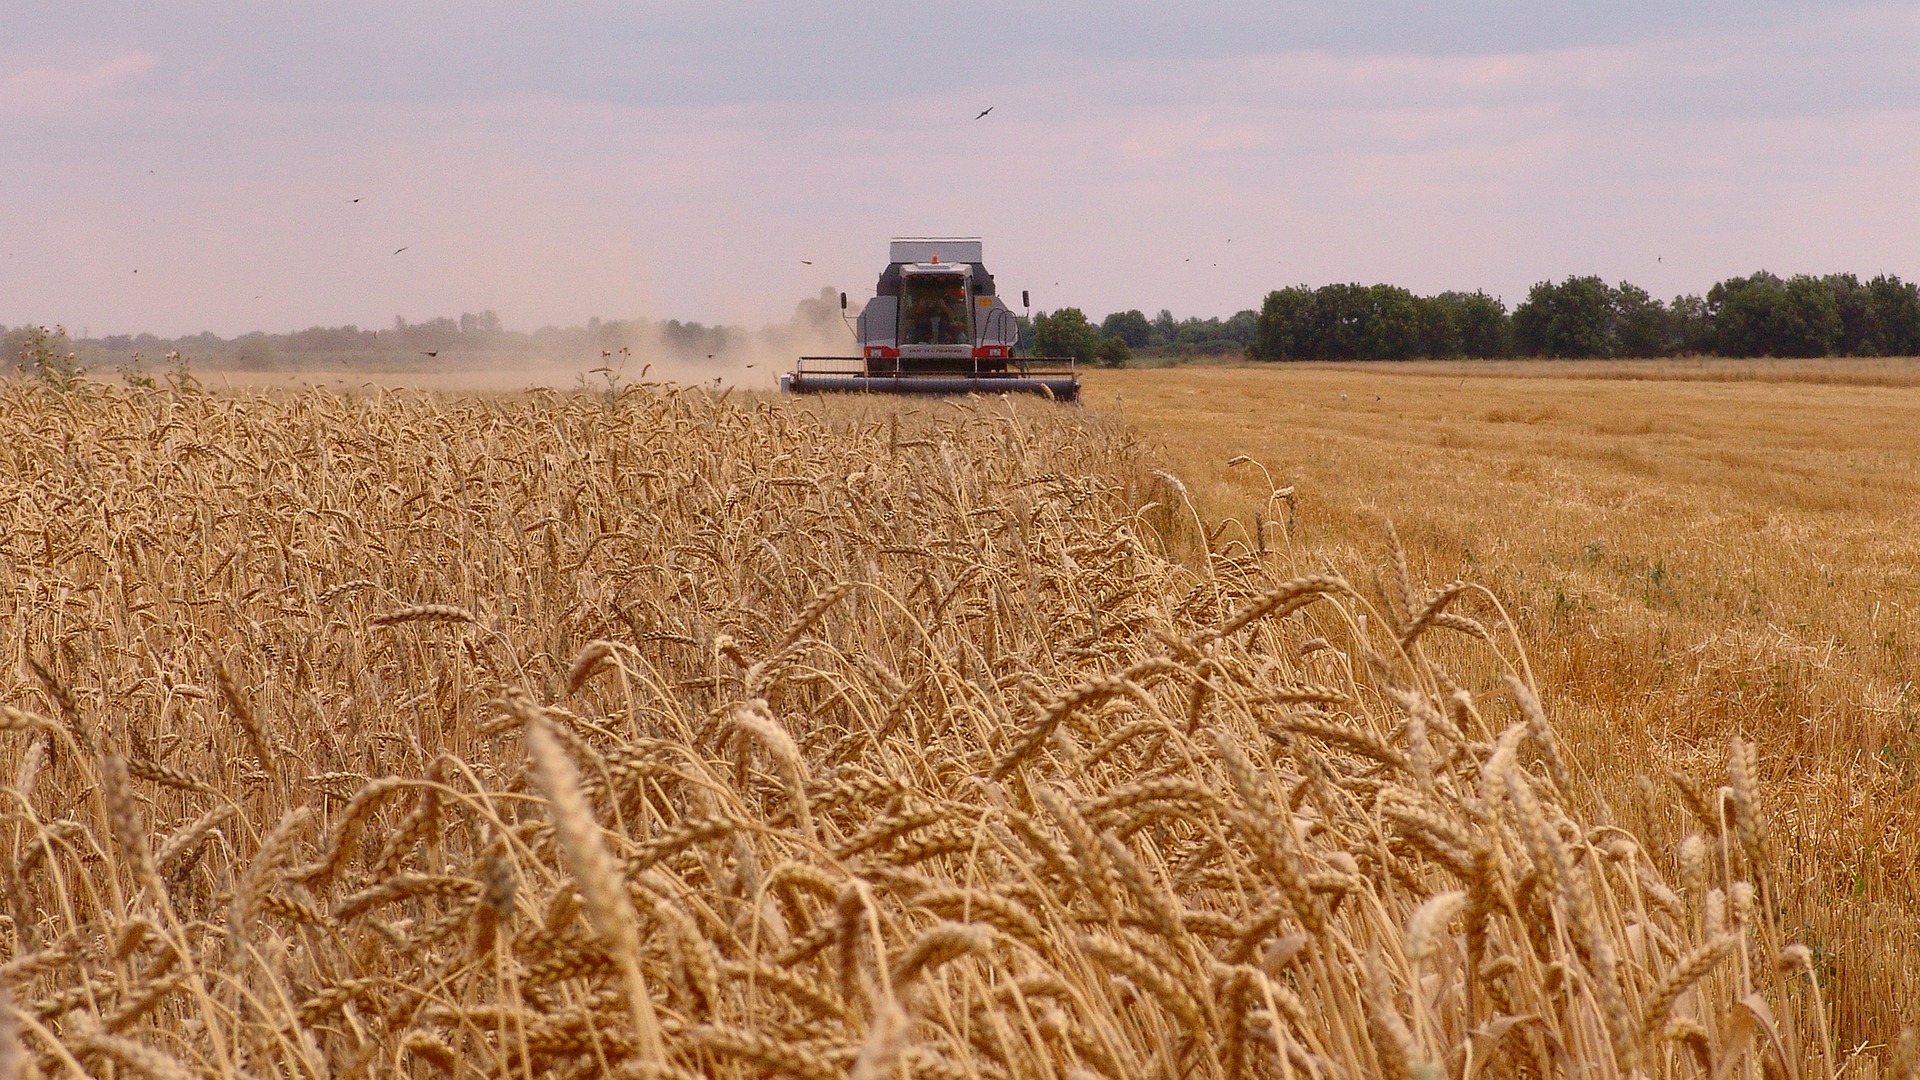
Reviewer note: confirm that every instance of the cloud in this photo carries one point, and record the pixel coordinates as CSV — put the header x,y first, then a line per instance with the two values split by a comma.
x,y
53,89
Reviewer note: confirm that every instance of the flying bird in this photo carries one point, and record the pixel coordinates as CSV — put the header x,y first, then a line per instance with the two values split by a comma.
x,y
353,200
806,262
424,352
398,250
985,111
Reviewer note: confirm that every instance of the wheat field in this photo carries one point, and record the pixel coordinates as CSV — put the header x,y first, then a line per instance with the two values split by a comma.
x,y
663,733
1692,550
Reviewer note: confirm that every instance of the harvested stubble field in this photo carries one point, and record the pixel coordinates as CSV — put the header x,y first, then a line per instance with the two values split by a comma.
x,y
662,734
1692,549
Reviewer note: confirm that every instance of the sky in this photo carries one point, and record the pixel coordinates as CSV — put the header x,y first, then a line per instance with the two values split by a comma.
x,y
230,167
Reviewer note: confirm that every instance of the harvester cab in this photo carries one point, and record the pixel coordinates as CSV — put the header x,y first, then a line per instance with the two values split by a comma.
x,y
935,325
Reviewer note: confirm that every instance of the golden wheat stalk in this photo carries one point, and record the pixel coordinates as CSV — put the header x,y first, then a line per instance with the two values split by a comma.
x,y
609,909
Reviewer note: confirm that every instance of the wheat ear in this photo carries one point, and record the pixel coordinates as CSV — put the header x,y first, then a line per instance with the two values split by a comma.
x,y
609,908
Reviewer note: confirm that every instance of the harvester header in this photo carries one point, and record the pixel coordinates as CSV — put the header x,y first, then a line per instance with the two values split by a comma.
x,y
935,325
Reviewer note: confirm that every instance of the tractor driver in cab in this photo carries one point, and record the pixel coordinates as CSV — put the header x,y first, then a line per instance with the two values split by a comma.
x,y
936,310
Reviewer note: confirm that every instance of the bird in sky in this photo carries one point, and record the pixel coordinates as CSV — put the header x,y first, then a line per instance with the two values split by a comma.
x,y
353,200
425,352
984,112
399,250
806,262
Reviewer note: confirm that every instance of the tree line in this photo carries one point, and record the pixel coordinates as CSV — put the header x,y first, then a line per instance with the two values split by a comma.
x,y
1761,314
1584,317
1114,340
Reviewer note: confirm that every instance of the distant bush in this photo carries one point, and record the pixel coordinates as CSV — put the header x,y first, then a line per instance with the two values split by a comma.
x,y
1376,322
1131,327
1065,332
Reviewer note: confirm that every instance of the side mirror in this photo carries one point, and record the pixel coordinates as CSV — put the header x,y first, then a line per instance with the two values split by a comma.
x,y
1024,302
843,301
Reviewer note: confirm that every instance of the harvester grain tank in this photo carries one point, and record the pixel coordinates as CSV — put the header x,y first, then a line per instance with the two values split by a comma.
x,y
935,325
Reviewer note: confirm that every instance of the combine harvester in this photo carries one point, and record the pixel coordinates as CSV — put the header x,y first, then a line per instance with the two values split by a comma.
x,y
935,326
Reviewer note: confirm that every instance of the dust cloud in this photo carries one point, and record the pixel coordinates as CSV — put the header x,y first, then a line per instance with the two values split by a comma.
x,y
475,353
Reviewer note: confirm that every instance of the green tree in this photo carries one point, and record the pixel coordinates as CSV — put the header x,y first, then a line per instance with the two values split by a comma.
x,y
1165,330
1340,315
1742,311
1212,337
1896,316
1484,328
1284,325
1065,333
1112,352
1241,329
1390,327
1854,304
1640,323
1691,325
1809,323
1439,318
1130,327
1571,319
1762,315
